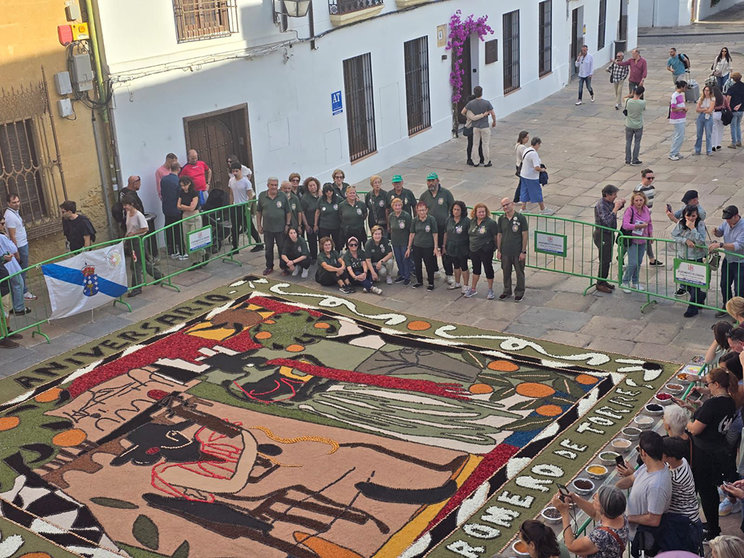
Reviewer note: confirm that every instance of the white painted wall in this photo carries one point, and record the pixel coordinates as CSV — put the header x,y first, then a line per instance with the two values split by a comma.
x,y
288,91
664,13
706,10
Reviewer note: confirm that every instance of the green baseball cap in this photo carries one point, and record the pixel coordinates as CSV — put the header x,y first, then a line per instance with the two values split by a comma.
x,y
397,178
432,176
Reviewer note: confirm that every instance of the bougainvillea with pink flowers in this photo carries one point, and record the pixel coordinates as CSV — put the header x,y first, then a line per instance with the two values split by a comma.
x,y
459,32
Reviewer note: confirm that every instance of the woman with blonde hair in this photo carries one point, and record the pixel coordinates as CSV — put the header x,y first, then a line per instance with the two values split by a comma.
x,y
637,222
704,123
379,256
727,546
735,308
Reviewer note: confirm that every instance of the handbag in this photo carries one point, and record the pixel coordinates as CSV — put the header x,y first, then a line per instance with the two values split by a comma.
x,y
519,166
726,116
467,131
623,238
713,260
543,176
625,110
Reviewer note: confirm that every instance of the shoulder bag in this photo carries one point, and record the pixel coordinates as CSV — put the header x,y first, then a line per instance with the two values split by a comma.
x,y
615,536
519,166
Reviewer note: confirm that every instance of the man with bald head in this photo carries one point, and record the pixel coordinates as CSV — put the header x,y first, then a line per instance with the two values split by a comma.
x,y
200,173
511,248
130,192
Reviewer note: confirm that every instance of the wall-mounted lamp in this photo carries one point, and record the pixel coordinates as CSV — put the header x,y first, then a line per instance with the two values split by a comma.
x,y
291,8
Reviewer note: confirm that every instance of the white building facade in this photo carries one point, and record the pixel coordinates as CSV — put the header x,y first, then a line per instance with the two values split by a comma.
x,y
673,13
356,84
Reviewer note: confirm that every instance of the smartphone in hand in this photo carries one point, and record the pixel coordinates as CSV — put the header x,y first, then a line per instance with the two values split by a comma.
x,y
563,492
620,461
669,208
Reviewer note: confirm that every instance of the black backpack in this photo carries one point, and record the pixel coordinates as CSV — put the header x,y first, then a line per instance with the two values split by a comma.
x,y
685,60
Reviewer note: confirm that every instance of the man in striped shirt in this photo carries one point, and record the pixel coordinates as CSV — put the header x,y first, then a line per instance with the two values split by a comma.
x,y
647,187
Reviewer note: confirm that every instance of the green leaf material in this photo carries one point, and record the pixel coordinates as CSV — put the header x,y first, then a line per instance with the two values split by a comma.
x,y
479,361
182,551
146,532
113,503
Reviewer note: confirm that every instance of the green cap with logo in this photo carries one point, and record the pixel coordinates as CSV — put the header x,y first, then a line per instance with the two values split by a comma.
x,y
397,178
432,176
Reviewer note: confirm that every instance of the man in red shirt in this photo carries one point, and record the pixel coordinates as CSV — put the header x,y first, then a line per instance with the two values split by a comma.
x,y
200,173
638,69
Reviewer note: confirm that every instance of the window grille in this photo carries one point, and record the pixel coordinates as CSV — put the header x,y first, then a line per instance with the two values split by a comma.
x,y
511,51
360,106
416,54
205,19
545,55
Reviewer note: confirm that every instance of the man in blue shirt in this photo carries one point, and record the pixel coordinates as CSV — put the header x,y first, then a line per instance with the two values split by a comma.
x,y
676,65
732,268
169,193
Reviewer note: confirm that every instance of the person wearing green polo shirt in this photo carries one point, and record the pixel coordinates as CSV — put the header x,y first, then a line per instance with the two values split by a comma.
x,y
296,215
511,248
352,213
483,234
399,225
309,202
457,244
327,221
331,268
356,266
403,194
273,215
295,254
375,202
379,256
423,245
338,184
439,201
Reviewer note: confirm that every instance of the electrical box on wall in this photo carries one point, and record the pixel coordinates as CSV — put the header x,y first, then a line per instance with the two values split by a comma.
x,y
82,73
62,83
65,108
80,31
72,10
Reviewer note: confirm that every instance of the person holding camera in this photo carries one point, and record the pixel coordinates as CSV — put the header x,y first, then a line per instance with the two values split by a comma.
x,y
605,217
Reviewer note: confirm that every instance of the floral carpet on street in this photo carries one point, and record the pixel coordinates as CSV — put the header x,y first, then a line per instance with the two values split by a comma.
x,y
271,419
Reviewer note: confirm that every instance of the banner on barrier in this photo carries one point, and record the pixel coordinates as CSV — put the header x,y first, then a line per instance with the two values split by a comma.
x,y
691,273
86,281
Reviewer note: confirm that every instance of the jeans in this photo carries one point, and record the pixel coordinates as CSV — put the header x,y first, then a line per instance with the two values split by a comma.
x,y
678,137
137,255
635,259
736,126
16,291
366,283
23,255
405,265
703,124
731,272
604,241
271,238
722,81
588,81
631,133
484,136
632,86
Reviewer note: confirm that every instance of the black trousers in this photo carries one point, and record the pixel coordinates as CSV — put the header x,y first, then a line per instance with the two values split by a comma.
x,y
312,243
426,257
469,149
335,235
604,241
173,235
271,238
360,234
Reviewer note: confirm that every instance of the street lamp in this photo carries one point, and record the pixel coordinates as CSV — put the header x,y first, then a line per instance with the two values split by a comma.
x,y
292,8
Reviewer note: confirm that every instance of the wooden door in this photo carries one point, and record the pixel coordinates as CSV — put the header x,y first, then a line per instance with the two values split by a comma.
x,y
216,135
467,80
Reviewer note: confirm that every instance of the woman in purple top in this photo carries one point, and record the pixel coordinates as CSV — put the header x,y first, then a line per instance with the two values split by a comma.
x,y
637,221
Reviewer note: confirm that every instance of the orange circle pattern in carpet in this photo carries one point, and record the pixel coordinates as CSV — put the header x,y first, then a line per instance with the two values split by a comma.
x,y
263,335
51,394
481,388
533,389
502,366
295,348
549,410
8,423
321,325
586,379
69,438
418,325
36,555
269,322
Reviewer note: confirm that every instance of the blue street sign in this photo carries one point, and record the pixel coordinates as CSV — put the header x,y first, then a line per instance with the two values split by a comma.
x,y
337,106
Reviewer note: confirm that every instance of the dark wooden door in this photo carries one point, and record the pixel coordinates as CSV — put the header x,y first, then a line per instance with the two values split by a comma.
x,y
467,80
216,135
577,37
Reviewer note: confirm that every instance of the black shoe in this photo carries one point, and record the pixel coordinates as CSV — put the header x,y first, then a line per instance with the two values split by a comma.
x,y
257,248
690,312
26,310
7,343
399,280
430,287
134,292
476,165
722,313
417,285
636,163
518,298
471,163
656,263
488,164
502,296
12,335
681,292
406,282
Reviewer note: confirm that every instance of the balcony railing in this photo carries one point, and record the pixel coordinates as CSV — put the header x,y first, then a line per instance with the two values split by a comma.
x,y
348,11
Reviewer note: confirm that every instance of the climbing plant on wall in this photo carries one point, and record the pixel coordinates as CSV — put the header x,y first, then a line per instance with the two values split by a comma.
x,y
459,32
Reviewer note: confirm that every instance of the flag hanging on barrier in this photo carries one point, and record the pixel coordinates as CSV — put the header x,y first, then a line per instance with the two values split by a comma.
x,y
86,281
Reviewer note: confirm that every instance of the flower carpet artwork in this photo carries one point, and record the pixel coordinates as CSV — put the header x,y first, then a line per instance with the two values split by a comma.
x,y
270,419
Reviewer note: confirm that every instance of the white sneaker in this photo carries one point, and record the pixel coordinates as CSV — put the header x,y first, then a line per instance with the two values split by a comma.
x,y
638,286
625,287
578,103
547,211
728,507
471,293
304,273
450,280
30,296
183,257
174,256
592,98
674,157
437,275
465,289
453,286
296,271
389,280
490,295
376,290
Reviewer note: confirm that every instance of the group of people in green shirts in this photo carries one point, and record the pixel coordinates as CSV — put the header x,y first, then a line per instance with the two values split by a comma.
x,y
413,233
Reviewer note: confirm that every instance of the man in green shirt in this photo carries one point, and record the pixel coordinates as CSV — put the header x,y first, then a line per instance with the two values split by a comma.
x,y
403,194
273,217
439,200
634,108
297,216
511,248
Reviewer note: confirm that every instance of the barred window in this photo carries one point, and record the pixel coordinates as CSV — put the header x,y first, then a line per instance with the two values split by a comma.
x,y
416,54
511,51
545,54
360,106
205,19
602,24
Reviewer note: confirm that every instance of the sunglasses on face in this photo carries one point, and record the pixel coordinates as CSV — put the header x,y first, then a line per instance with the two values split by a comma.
x,y
353,244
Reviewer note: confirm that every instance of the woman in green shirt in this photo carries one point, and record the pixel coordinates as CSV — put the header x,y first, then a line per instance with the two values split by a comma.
x,y
399,225
379,256
352,212
338,184
309,202
356,266
483,232
456,245
375,202
331,269
423,245
295,255
327,222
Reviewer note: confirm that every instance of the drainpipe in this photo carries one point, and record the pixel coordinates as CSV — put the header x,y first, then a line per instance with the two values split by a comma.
x,y
104,157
